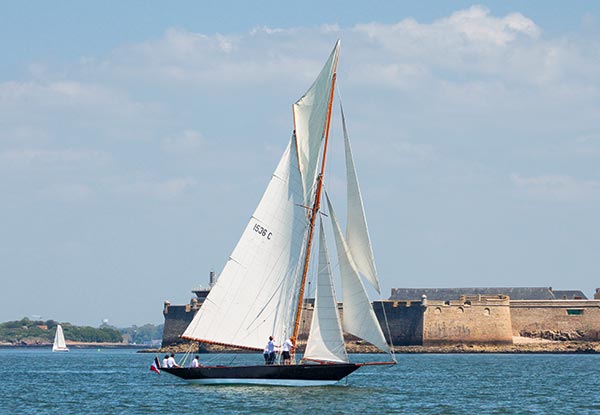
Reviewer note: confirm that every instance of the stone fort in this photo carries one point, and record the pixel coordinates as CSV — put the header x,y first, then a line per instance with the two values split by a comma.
x,y
446,316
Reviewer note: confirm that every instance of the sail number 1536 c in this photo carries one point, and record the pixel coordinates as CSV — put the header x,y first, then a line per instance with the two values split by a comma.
x,y
262,231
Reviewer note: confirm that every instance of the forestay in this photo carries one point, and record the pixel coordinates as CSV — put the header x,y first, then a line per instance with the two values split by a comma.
x,y
325,341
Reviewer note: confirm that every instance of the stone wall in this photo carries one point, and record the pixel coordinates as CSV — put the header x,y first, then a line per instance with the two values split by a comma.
x,y
556,320
469,320
405,321
177,318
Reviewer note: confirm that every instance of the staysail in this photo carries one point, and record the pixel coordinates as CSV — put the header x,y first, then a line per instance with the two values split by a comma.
x,y
325,342
359,317
357,233
256,295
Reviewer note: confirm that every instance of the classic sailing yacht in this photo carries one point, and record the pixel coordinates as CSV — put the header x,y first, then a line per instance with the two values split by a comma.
x,y
59,341
260,291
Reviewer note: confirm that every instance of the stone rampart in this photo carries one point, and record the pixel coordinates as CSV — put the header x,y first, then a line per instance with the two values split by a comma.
x,y
405,321
556,320
177,318
469,320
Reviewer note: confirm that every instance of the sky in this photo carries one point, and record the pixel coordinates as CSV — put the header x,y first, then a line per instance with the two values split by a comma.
x,y
136,139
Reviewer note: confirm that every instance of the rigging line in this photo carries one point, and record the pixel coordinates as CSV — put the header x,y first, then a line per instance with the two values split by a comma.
x,y
310,282
218,356
186,354
387,326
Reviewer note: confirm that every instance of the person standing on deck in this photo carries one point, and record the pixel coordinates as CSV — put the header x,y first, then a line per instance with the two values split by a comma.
x,y
270,351
286,349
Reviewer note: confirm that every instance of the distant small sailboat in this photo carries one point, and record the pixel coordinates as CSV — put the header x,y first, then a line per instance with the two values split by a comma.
x,y
59,341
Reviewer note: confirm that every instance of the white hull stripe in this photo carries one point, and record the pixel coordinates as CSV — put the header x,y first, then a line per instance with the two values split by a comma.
x,y
270,382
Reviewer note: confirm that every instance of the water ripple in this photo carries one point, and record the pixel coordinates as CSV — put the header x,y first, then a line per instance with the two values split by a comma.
x,y
119,382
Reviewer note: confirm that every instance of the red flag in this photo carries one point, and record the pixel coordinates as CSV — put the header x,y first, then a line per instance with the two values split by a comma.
x,y
155,365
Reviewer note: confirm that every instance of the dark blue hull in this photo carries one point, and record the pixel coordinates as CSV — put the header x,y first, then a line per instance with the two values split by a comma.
x,y
291,375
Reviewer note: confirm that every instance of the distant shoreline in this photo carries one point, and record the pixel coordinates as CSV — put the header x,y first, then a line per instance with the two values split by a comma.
x,y
77,345
520,346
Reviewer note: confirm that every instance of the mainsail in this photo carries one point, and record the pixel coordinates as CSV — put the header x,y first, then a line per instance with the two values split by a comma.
x,y
359,317
357,233
326,341
256,295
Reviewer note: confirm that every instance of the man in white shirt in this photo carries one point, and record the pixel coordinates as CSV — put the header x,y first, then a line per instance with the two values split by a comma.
x,y
171,361
286,348
196,362
165,362
270,351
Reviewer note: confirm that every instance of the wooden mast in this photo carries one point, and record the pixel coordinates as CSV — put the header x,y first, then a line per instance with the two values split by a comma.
x,y
316,206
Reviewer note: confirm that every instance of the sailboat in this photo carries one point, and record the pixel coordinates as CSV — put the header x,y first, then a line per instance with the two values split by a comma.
x,y
59,341
260,292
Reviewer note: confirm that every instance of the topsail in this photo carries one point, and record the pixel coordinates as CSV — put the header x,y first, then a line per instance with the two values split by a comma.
x,y
311,114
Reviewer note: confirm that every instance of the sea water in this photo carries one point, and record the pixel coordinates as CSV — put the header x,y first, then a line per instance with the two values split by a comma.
x,y
118,381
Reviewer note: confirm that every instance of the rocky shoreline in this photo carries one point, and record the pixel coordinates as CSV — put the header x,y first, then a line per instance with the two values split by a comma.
x,y
551,348
520,345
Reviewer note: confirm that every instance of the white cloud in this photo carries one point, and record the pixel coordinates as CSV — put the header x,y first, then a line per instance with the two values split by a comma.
x,y
73,105
53,94
500,59
258,30
413,151
477,25
187,141
68,192
261,56
161,189
587,146
24,134
473,45
470,27
25,157
561,187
